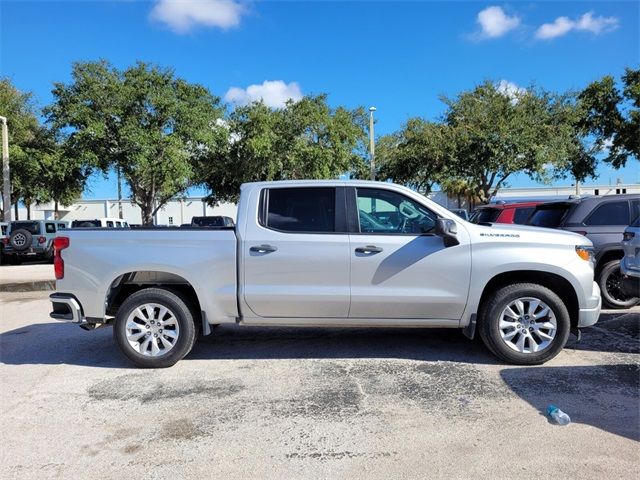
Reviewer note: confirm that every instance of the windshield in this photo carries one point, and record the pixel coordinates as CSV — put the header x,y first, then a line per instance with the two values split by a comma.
x,y
208,221
485,215
31,227
549,217
85,224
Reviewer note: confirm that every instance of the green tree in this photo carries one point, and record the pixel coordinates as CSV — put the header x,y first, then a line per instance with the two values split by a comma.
x,y
305,139
498,134
19,109
152,126
417,156
613,116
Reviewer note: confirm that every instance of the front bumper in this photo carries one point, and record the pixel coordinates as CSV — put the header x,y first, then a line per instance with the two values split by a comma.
x,y
589,316
66,308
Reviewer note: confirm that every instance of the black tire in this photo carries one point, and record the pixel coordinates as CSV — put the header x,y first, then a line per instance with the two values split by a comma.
x,y
489,319
610,283
179,307
20,240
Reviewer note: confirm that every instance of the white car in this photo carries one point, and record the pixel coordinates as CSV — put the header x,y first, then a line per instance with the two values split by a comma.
x,y
329,253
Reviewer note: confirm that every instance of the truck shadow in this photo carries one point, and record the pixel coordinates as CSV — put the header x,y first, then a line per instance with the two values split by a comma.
x,y
614,332
603,396
59,343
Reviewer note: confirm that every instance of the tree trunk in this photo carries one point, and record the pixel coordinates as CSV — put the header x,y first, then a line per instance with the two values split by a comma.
x,y
15,209
28,205
55,210
147,213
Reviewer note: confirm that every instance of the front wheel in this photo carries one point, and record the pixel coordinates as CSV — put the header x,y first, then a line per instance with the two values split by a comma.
x,y
154,328
524,324
610,282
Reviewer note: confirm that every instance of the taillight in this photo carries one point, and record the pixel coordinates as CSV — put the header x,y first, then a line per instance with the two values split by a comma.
x,y
5,241
42,239
59,244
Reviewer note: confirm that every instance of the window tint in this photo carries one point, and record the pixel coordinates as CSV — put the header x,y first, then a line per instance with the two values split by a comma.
x,y
384,211
548,217
301,209
521,215
61,225
85,224
50,227
635,213
612,213
485,215
31,227
4,230
109,224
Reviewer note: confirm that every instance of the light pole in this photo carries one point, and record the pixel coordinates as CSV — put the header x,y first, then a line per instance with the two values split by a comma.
x,y
372,145
6,178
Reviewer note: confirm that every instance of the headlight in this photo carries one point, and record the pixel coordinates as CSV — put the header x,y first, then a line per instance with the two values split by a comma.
x,y
586,253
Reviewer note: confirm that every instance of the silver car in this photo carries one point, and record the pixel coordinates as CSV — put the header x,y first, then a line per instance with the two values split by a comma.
x,y
630,263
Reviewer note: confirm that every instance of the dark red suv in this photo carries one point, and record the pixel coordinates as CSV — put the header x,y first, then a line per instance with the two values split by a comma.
x,y
504,212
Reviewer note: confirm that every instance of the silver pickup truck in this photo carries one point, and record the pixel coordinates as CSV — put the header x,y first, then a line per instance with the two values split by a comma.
x,y
329,253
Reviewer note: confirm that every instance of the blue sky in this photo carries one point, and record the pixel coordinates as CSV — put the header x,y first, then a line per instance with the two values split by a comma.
x,y
398,56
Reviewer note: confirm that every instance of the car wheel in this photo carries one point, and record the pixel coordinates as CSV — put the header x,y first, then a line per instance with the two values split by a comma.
x,y
610,282
155,328
524,324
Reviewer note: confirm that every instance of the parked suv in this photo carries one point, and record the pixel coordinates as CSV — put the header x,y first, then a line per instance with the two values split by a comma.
x,y
602,220
3,234
31,239
504,213
630,264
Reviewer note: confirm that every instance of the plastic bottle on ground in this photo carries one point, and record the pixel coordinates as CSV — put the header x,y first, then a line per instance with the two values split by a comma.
x,y
558,415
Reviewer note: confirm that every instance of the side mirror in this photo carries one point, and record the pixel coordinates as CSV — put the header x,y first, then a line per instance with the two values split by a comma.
x,y
448,230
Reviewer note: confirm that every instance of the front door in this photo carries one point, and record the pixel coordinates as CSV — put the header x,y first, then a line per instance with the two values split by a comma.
x,y
399,267
296,257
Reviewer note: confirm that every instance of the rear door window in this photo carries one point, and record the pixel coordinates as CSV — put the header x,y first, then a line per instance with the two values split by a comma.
x,y
611,213
522,214
50,227
61,225
109,224
310,210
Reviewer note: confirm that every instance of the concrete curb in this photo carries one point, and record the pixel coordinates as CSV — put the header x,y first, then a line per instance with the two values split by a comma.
x,y
28,286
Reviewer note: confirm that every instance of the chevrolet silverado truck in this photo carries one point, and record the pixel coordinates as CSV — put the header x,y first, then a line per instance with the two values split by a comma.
x,y
335,254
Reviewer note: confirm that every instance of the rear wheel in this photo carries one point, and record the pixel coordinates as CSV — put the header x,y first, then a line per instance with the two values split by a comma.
x,y
524,324
155,328
610,282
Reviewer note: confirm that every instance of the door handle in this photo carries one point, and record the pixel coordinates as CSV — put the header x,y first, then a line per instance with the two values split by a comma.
x,y
263,248
368,249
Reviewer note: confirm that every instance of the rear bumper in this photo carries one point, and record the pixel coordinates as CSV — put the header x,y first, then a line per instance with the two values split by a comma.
x,y
589,316
66,308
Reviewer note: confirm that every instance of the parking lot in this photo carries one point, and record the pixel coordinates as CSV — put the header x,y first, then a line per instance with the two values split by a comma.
x,y
312,403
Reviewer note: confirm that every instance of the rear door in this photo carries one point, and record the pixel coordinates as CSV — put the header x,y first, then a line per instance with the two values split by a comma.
x,y
296,255
399,267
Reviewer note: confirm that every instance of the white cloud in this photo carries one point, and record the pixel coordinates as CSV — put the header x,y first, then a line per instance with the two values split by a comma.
x,y
495,23
510,89
586,23
274,93
182,16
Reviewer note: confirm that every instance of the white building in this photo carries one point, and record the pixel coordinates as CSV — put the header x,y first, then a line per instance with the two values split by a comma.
x,y
180,211
176,212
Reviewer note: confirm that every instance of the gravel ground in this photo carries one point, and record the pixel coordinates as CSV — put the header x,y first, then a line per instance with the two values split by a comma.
x,y
312,403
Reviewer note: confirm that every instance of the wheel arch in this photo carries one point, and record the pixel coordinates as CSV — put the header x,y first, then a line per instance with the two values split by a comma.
x,y
554,282
128,283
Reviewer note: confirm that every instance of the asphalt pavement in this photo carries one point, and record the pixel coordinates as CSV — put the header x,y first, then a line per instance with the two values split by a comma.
x,y
284,403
